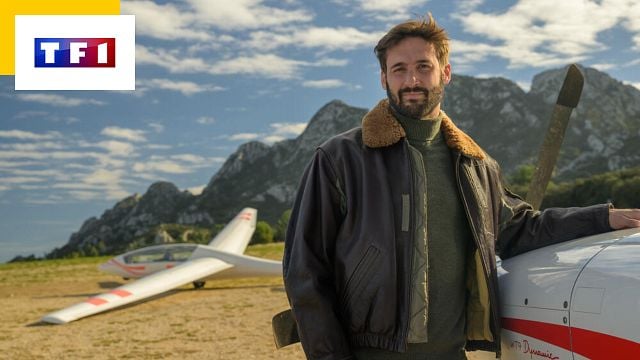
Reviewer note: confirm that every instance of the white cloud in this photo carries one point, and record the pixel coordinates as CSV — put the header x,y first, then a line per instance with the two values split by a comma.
x,y
41,173
21,179
288,128
78,186
157,127
171,60
467,6
58,100
245,14
244,136
158,147
273,139
117,148
16,164
196,159
164,21
27,135
330,62
30,114
260,65
634,84
42,155
545,33
324,84
603,66
85,195
326,38
206,120
196,190
185,87
165,166
49,200
122,133
103,176
387,10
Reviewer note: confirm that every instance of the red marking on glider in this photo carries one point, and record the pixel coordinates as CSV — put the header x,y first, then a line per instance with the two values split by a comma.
x,y
96,301
169,266
588,343
135,270
120,292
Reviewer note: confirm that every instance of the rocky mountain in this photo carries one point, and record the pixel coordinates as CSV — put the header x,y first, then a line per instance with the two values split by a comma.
x,y
509,123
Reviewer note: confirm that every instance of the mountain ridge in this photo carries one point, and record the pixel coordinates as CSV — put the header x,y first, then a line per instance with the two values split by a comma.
x,y
503,119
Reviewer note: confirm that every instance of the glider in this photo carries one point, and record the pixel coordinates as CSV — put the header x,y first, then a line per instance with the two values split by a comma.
x,y
165,267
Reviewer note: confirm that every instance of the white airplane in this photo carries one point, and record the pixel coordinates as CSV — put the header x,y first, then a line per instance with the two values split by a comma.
x,y
165,267
579,299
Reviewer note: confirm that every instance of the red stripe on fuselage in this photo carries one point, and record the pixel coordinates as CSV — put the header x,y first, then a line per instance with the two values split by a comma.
x,y
590,344
135,270
557,335
596,345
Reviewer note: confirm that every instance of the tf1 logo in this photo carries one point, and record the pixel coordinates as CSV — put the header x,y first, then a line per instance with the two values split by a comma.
x,y
75,52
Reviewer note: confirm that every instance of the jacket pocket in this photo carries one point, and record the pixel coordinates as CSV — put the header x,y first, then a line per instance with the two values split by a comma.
x,y
355,302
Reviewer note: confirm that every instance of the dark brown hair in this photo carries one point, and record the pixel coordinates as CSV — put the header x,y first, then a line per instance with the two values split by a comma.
x,y
425,28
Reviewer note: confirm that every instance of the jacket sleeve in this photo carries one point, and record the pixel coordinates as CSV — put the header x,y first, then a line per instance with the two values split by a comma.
x,y
522,229
308,261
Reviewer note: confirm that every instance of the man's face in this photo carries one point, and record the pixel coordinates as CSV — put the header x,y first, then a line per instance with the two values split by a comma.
x,y
414,79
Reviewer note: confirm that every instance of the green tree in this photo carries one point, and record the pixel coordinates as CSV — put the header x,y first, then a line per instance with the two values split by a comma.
x,y
281,226
263,233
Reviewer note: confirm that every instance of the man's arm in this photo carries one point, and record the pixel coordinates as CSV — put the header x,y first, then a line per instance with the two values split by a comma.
x,y
308,261
522,229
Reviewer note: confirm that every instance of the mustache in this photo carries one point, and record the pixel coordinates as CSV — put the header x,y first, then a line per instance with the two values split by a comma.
x,y
415,89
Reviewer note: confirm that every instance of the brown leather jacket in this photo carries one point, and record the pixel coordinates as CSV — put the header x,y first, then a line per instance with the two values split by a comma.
x,y
347,261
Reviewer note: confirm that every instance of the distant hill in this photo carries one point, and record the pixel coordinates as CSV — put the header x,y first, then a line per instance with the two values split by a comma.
x,y
509,123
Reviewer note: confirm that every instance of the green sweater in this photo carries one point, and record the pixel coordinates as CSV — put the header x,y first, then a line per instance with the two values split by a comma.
x,y
438,300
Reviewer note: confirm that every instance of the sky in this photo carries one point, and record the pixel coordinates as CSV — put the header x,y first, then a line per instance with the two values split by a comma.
x,y
212,75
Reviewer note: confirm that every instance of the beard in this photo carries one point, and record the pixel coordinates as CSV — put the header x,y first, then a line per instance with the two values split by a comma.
x,y
417,109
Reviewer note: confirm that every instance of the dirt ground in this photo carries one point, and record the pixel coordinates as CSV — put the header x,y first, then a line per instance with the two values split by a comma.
x,y
224,320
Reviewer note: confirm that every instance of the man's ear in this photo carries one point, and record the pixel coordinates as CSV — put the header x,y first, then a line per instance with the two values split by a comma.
x,y
446,74
383,80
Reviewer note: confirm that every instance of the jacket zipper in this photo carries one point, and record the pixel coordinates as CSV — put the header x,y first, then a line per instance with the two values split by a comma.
x,y
482,256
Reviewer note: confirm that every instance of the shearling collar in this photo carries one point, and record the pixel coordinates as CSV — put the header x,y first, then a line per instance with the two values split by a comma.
x,y
380,128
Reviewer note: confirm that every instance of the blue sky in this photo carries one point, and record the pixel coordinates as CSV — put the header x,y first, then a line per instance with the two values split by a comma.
x,y
212,75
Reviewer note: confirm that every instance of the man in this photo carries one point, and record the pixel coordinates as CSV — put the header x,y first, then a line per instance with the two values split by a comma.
x,y
390,249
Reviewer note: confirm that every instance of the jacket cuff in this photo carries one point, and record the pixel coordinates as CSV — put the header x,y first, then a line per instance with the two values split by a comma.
x,y
601,217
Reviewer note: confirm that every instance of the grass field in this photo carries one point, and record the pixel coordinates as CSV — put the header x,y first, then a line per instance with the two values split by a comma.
x,y
227,319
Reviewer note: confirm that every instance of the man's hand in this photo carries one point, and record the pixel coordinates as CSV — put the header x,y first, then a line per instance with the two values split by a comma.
x,y
624,218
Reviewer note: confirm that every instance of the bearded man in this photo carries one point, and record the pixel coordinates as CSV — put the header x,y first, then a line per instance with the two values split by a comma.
x,y
391,245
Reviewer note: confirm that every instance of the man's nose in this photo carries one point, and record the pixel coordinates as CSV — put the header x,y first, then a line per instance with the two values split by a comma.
x,y
412,79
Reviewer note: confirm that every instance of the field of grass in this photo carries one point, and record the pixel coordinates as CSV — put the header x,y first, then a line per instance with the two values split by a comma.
x,y
227,319
42,271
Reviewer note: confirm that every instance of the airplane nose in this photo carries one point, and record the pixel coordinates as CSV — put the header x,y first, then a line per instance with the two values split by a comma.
x,y
106,267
